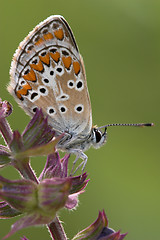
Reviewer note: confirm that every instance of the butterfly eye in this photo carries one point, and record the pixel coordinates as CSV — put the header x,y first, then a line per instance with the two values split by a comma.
x,y
98,135
98,138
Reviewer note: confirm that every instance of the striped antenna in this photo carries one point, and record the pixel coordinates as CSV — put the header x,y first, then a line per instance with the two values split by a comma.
x,y
128,124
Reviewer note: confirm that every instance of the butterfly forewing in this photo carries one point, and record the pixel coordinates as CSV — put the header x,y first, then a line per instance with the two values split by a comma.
x,y
47,72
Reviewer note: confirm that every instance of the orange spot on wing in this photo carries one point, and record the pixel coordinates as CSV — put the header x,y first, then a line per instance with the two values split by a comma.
x,y
24,89
59,34
45,59
31,76
27,86
48,36
19,95
55,56
67,61
38,66
76,67
40,41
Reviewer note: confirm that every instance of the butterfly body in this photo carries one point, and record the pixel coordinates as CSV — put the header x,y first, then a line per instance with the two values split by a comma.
x,y
71,143
47,72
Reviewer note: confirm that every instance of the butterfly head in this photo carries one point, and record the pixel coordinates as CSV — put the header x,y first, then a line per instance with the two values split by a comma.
x,y
98,137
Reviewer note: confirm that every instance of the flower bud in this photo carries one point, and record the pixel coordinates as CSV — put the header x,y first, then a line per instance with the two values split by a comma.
x,y
39,202
20,194
38,131
53,194
99,230
5,109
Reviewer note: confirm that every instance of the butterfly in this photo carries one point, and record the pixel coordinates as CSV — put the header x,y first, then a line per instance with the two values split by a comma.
x,y
48,72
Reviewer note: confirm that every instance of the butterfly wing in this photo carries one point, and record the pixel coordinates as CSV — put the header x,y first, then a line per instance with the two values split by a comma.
x,y
47,72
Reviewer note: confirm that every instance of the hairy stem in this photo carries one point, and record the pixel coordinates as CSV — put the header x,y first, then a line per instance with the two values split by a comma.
x,y
56,230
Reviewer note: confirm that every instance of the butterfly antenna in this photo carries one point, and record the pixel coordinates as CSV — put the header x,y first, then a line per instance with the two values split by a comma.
x,y
128,124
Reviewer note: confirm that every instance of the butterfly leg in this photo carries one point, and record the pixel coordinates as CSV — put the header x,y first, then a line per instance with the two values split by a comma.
x,y
79,154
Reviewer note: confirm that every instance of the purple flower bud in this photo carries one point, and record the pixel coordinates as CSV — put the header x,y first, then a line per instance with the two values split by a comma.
x,y
36,140
37,132
79,183
19,194
39,202
99,230
106,232
53,194
72,201
36,135
56,167
109,234
5,109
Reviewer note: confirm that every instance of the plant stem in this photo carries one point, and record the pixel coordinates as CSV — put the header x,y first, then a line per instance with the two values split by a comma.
x,y
56,230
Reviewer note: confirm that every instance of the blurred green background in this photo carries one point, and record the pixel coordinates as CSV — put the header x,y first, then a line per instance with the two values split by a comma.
x,y
120,44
